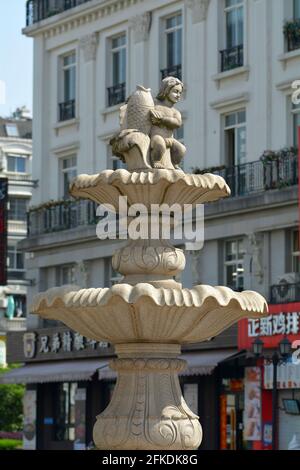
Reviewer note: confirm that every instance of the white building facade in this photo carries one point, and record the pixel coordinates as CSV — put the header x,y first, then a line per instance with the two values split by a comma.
x,y
16,166
238,60
237,66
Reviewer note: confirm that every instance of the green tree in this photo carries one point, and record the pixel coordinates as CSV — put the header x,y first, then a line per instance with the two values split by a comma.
x,y
11,405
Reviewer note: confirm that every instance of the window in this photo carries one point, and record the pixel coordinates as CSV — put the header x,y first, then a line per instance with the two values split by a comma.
x,y
296,123
233,55
173,46
68,173
68,92
12,130
234,264
116,91
295,252
65,411
17,209
296,9
65,275
16,164
235,138
15,262
234,12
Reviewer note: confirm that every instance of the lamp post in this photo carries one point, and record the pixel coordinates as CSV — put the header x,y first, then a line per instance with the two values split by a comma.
x,y
284,350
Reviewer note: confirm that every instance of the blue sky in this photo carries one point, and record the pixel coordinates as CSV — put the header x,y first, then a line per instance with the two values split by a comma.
x,y
15,57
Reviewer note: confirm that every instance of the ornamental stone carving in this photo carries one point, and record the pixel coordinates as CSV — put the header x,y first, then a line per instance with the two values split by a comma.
x,y
199,9
89,44
141,25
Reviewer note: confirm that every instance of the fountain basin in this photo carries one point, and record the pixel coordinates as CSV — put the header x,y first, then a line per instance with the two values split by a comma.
x,y
144,313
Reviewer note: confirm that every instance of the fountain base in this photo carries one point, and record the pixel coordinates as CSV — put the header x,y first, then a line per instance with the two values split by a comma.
x,y
147,410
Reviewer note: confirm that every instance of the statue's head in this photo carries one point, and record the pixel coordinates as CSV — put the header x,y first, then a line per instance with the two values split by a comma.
x,y
171,88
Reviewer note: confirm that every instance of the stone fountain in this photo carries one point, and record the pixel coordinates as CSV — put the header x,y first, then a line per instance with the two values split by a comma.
x,y
148,315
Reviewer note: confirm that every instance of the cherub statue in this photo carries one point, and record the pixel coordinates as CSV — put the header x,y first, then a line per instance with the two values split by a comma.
x,y
165,119
146,139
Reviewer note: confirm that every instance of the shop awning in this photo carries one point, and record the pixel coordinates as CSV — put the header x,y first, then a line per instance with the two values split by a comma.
x,y
198,363
204,362
60,371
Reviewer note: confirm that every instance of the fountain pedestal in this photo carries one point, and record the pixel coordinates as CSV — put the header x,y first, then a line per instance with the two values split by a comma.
x,y
147,410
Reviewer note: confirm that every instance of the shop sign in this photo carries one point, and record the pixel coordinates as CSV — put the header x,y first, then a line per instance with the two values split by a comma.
x,y
288,376
284,320
252,429
57,342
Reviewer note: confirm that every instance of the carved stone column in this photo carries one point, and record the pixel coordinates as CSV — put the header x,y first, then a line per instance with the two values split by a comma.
x,y
147,410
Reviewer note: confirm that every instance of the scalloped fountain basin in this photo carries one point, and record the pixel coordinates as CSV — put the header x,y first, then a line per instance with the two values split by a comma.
x,y
143,313
155,186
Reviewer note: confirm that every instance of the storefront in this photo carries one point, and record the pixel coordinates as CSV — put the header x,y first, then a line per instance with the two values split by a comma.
x,y
283,322
68,383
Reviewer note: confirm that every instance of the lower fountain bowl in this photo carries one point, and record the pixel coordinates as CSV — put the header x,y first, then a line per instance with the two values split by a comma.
x,y
144,313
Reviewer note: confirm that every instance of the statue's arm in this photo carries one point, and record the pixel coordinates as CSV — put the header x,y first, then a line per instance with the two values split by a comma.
x,y
172,122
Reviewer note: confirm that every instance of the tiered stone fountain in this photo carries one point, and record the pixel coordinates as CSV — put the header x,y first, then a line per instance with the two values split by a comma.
x,y
148,315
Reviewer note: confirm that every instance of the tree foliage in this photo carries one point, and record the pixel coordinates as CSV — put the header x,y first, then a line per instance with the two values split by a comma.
x,y
11,405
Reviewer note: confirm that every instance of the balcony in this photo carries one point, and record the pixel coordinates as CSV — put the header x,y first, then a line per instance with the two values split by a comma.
x,y
291,31
67,110
285,293
174,71
258,176
293,43
232,58
61,215
14,324
38,10
116,94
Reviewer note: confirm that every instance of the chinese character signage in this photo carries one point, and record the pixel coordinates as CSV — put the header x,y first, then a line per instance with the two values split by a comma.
x,y
284,320
252,430
50,344
3,230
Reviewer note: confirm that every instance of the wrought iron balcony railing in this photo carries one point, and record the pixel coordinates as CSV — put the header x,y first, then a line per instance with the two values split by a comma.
x,y
116,94
257,176
67,110
285,293
38,10
232,58
293,43
60,215
174,71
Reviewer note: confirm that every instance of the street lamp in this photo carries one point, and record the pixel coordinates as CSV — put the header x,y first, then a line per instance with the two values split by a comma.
x,y
284,350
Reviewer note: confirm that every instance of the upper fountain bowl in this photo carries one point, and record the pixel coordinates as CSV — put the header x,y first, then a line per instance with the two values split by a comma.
x,y
155,186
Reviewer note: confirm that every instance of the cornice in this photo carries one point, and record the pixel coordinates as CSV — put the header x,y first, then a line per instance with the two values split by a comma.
x,y
74,18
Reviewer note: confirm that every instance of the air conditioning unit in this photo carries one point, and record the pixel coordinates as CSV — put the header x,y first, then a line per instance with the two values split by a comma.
x,y
287,288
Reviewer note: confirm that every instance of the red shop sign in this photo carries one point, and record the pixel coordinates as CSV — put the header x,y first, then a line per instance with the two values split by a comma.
x,y
283,320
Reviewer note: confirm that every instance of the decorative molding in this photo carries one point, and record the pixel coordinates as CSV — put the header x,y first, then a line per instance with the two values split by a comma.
x,y
141,25
89,44
89,13
230,101
288,56
65,149
239,71
199,9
